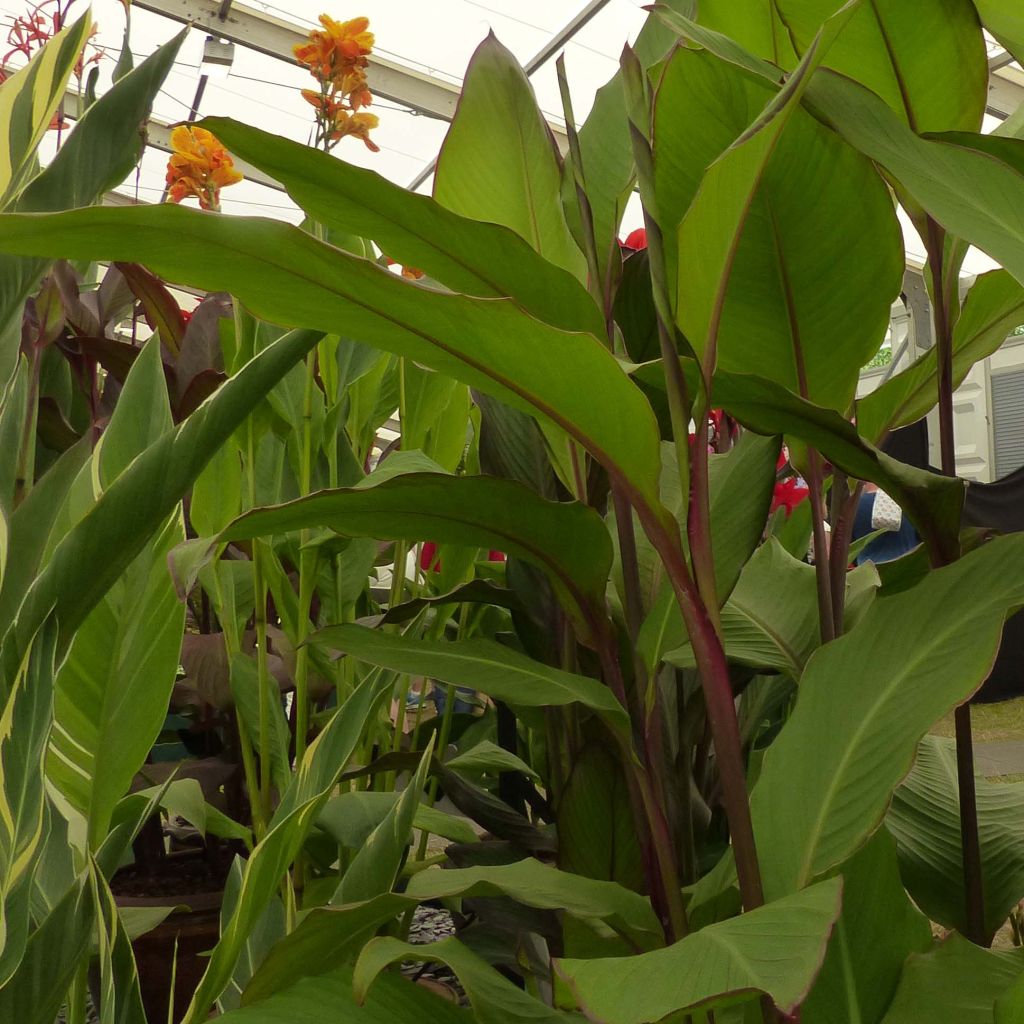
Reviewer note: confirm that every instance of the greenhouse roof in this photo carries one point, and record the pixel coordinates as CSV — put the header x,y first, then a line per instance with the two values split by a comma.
x,y
420,56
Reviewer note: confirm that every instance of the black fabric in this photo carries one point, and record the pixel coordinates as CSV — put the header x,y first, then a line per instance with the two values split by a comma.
x,y
997,506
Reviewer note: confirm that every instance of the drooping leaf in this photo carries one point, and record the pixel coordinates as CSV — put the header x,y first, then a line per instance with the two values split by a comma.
x,y
494,998
749,293
993,308
875,933
958,983
101,546
939,87
287,277
350,818
776,949
865,700
328,999
24,730
296,814
115,683
566,540
499,161
96,156
28,100
477,257
925,819
479,664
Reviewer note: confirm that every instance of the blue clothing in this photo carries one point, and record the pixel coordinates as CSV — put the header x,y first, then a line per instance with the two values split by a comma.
x,y
888,545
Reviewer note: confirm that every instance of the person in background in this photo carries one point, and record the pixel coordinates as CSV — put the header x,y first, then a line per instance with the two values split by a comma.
x,y
878,512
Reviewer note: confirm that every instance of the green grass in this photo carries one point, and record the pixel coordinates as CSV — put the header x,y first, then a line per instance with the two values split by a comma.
x,y
1003,721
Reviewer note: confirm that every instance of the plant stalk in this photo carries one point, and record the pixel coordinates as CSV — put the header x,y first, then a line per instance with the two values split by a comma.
x,y
816,483
969,836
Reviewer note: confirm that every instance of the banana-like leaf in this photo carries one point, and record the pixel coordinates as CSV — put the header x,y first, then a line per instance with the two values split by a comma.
x,y
350,817
749,294
865,700
754,25
1010,1005
881,48
994,307
328,999
472,256
375,867
480,664
13,407
115,682
925,819
494,998
605,150
771,620
740,484
958,983
28,101
875,933
24,730
964,182
285,276
97,155
54,953
1005,20
300,806
91,557
499,161
776,950
566,540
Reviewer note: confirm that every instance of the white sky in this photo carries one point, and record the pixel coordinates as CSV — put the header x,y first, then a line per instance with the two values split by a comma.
x,y
438,36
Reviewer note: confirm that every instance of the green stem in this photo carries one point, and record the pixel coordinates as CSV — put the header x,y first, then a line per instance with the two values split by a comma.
x,y
816,484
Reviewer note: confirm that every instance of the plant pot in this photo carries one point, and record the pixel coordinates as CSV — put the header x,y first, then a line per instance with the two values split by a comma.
x,y
176,948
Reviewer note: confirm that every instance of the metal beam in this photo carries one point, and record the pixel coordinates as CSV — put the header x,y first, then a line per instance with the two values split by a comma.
x,y
158,135
275,37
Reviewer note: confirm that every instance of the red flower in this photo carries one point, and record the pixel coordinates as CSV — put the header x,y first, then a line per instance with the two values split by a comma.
x,y
789,492
636,240
429,562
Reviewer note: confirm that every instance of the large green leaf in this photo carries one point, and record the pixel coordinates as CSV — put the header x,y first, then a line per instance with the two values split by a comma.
x,y
499,161
28,100
876,931
538,885
753,24
605,149
958,983
328,935
925,819
776,949
567,540
96,156
476,257
24,730
865,700
494,998
115,683
994,307
740,484
1005,20
328,999
350,817
480,664
965,183
300,806
285,276
936,87
99,548
13,409
763,278
375,867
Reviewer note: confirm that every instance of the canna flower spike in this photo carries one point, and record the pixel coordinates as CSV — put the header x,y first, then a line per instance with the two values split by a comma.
x,y
199,167
337,57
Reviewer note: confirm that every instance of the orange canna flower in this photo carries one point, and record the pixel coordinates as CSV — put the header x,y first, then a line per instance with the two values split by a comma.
x,y
337,57
358,126
199,166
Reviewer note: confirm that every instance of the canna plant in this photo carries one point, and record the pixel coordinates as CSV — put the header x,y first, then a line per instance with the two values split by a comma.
x,y
697,736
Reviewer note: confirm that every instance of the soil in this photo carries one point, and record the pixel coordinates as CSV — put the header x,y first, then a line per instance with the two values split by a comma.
x,y
180,874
